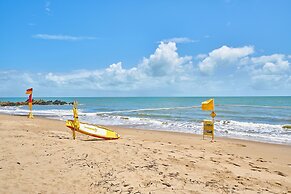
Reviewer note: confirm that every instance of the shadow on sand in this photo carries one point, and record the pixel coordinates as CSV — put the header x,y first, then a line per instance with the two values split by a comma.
x,y
97,139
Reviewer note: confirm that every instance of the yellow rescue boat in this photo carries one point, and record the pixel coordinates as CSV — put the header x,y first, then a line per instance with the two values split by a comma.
x,y
89,129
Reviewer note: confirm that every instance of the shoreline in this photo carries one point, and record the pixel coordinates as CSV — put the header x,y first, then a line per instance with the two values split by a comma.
x,y
198,135
39,155
167,131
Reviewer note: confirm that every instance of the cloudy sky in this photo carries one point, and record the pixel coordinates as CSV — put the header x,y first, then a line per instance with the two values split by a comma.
x,y
145,48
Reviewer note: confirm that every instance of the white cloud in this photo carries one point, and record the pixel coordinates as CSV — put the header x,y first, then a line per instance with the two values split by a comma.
x,y
272,64
201,56
270,71
12,82
270,82
164,67
70,78
62,37
223,56
262,72
165,61
164,72
275,64
47,7
180,40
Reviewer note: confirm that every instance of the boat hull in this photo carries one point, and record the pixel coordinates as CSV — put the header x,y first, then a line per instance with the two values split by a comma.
x,y
93,130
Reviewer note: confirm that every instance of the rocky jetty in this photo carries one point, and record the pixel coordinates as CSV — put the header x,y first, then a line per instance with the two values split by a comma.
x,y
35,102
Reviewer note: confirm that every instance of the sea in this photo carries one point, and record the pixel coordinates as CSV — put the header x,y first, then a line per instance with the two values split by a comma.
x,y
250,118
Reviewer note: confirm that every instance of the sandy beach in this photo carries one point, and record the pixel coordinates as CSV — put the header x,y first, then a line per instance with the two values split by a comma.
x,y
40,156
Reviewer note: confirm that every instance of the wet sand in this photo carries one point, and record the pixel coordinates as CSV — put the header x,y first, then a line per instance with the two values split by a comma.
x,y
40,156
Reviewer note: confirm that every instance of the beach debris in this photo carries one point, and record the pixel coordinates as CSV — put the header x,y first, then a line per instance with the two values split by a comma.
x,y
286,127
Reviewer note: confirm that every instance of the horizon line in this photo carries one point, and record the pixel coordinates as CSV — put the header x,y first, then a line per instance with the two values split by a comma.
x,y
145,96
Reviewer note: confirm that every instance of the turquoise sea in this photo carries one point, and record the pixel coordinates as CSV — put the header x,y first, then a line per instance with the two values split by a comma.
x,y
251,118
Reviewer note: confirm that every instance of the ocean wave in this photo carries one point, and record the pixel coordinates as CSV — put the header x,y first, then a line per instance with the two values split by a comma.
x,y
253,106
234,129
145,109
50,112
227,128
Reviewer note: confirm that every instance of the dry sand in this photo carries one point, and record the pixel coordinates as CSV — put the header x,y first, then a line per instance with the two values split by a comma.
x,y
40,156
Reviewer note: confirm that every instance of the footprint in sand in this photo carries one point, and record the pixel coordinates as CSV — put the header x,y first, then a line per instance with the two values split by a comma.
x,y
235,164
167,184
218,152
241,145
257,168
280,173
173,174
213,160
261,160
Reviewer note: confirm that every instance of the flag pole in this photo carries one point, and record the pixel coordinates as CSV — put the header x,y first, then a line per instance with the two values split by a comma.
x,y
30,115
213,115
76,119
29,91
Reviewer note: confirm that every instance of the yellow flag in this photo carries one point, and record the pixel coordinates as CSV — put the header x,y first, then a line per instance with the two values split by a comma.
x,y
208,105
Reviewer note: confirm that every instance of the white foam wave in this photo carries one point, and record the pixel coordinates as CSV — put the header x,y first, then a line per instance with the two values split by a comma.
x,y
254,131
254,106
145,109
20,111
232,129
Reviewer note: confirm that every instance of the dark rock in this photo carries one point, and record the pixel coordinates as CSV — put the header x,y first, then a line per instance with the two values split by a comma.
x,y
36,102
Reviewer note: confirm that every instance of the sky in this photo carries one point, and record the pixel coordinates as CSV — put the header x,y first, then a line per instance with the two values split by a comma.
x,y
145,48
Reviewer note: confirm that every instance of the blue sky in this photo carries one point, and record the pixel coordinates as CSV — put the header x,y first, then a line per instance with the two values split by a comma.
x,y
145,48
